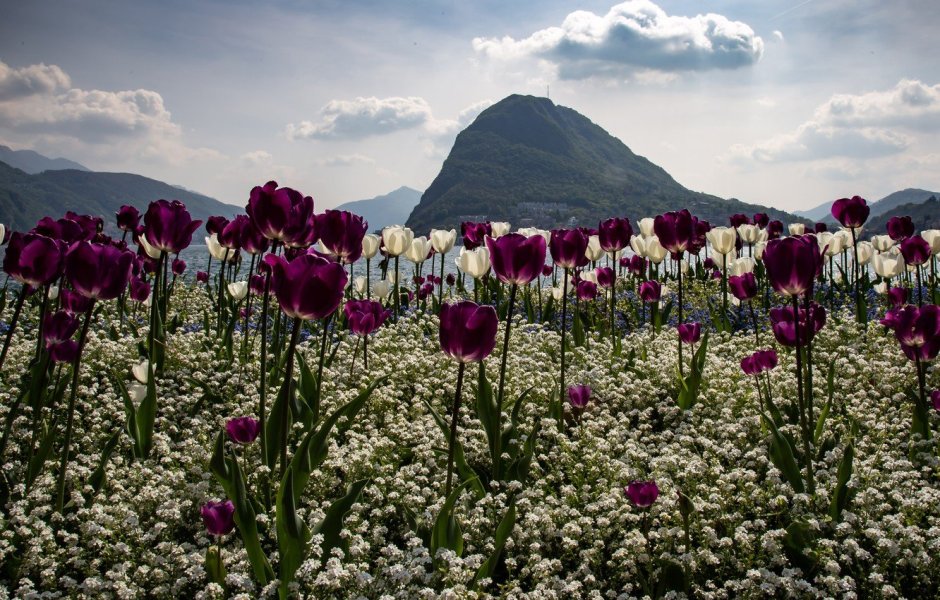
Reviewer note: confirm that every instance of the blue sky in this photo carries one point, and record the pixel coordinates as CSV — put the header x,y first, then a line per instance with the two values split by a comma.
x,y
784,103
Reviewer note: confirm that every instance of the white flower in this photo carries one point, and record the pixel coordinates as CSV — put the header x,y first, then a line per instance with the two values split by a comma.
x,y
593,250
474,263
370,245
722,239
887,266
141,370
743,265
238,290
443,240
397,239
638,244
883,243
749,233
589,276
646,226
417,252
654,250
150,250
881,288
932,237
533,231
137,392
796,228
360,283
863,252
53,289
499,229
382,288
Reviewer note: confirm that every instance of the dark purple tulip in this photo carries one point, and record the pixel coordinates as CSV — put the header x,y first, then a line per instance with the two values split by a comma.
x,y
215,224
516,258
675,230
202,276
749,365
820,227
219,517
547,270
650,291
308,287
63,230
73,302
57,333
709,263
774,229
33,259
761,220
579,395
252,240
689,333
168,226
642,493
243,430
451,279
792,264
935,399
282,214
605,277
614,234
638,265
587,290
766,359
139,289
897,296
425,290
96,271
474,234
178,266
916,329
915,250
128,218
738,220
783,323
743,287
567,247
900,228
468,331
365,316
341,233
256,284
231,235
851,212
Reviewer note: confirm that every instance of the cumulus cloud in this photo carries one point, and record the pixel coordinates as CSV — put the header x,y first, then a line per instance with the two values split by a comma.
x,y
346,160
636,35
31,80
363,117
441,133
859,126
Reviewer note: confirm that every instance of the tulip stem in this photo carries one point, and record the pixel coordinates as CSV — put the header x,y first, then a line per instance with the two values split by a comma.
x,y
265,301
16,316
922,409
73,393
497,441
440,290
455,412
855,274
43,307
750,305
352,365
613,295
289,383
679,276
920,288
804,423
397,293
316,401
564,330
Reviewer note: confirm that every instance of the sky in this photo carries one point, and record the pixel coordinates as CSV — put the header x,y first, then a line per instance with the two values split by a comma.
x,y
783,103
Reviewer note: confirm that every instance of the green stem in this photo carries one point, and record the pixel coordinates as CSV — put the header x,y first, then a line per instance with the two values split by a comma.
x,y
16,316
73,394
564,331
316,400
455,412
289,383
497,442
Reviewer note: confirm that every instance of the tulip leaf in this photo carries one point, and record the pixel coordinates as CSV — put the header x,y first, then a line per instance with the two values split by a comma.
x,y
99,476
519,470
797,540
278,425
292,533
689,385
842,494
215,568
510,430
577,328
503,530
332,524
781,454
307,387
447,533
672,577
131,411
466,471
37,460
486,412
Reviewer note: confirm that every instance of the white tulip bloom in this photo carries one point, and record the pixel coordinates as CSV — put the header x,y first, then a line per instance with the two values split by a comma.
x,y
499,229
141,371
417,252
749,233
154,252
932,237
863,252
646,226
887,266
722,239
53,291
796,228
443,240
474,263
397,239
360,285
881,288
743,265
593,250
370,245
382,288
654,250
638,244
883,243
238,290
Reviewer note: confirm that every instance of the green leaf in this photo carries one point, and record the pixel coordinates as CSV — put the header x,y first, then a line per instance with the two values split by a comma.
x,y
292,533
672,577
466,472
689,386
841,495
447,533
486,412
130,411
781,454
577,328
503,530
796,545
278,425
99,476
332,524
307,387
215,568
38,460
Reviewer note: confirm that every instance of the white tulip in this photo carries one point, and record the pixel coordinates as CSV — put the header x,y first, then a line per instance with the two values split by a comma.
x,y
137,393
863,252
883,243
557,293
638,244
3,232
881,288
593,250
759,248
823,238
743,265
150,250
534,231
397,239
734,300
654,250
646,226
53,290
238,290
589,276
360,283
391,276
370,245
725,260
417,252
836,245
722,239
474,263
796,228
887,266
382,288
846,236
684,266
499,229
443,240
763,236
932,237
615,255
749,233
141,371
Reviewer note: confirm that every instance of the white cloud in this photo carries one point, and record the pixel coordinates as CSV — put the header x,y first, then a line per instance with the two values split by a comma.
x,y
636,35
31,80
363,117
257,158
441,133
778,36
346,160
859,126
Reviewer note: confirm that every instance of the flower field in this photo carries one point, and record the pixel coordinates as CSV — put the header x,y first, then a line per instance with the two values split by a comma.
x,y
684,411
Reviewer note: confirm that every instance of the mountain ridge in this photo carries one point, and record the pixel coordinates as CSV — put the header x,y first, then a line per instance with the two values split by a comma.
x,y
32,162
912,196
381,211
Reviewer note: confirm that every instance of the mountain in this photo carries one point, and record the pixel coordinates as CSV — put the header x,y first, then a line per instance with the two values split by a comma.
x,y
924,213
33,162
25,198
530,162
391,209
823,212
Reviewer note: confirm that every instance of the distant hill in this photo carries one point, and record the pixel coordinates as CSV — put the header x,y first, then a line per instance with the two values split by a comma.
x,y
391,209
25,198
33,162
823,212
925,214
530,162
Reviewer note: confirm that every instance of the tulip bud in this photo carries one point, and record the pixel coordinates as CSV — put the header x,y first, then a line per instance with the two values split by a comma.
x,y
370,245
579,396
141,371
238,290
646,226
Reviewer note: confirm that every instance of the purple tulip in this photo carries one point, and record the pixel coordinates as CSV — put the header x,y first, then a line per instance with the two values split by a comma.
x,y
579,395
605,277
219,517
139,289
474,234
774,229
73,302
468,331
689,333
178,266
308,287
547,270
642,493
243,430
341,233
675,230
898,296
783,322
33,259
851,212
709,263
567,247
638,265
761,220
515,258
586,290
231,235
128,218
202,276
738,220
758,362
935,399
916,329
58,329
97,271
365,316
792,264
614,234
650,291
743,287
168,226
64,230
451,279
256,284
749,365
215,224
915,250
900,228
282,214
